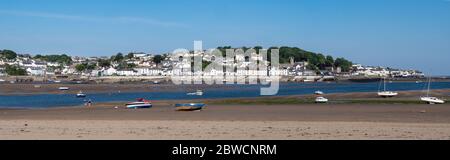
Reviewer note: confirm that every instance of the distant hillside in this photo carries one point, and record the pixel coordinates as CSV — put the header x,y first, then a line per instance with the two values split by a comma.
x,y
317,61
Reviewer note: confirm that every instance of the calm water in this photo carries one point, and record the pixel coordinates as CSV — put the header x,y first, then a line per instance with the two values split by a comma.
x,y
238,91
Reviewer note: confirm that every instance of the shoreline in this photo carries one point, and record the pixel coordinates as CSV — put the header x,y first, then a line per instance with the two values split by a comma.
x,y
52,88
364,98
231,122
225,130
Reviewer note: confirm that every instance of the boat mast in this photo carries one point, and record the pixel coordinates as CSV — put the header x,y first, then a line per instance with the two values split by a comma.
x,y
429,84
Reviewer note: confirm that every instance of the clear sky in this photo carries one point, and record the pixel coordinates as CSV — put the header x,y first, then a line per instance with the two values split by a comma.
x,y
409,34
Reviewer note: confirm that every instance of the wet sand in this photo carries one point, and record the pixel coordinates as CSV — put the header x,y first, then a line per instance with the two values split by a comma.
x,y
307,121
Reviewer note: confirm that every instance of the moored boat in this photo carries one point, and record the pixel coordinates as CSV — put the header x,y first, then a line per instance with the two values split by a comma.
x,y
140,104
197,93
432,100
318,93
189,106
80,95
385,93
63,88
429,99
321,100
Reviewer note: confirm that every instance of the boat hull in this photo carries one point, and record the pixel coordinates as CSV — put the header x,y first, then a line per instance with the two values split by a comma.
x,y
139,106
189,107
63,88
81,96
432,100
387,94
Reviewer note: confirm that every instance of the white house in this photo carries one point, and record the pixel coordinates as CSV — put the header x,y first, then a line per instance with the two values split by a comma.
x,y
36,71
126,73
110,71
148,71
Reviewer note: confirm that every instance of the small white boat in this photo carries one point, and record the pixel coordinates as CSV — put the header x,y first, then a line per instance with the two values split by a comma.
x,y
318,93
321,100
141,103
63,88
431,100
197,93
1,80
385,93
81,95
57,81
155,82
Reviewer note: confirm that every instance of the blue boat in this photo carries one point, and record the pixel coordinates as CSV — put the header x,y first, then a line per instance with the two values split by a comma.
x,y
189,106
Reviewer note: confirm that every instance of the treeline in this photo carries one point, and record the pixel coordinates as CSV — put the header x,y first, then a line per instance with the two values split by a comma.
x,y
8,54
15,71
61,59
317,61
120,59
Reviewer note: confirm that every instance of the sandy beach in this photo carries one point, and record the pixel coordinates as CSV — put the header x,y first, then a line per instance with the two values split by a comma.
x,y
295,117
223,122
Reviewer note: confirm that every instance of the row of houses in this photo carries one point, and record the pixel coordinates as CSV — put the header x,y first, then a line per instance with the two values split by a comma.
x,y
370,71
146,67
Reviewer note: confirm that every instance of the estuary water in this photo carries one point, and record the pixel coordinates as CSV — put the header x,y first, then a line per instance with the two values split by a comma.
x,y
237,91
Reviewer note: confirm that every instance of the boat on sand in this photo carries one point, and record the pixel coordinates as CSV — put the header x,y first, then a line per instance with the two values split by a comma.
x,y
189,106
321,100
139,104
429,99
63,88
385,93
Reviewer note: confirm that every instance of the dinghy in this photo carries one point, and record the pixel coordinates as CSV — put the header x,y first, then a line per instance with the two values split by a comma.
x,y
318,93
321,100
80,95
63,88
189,106
139,104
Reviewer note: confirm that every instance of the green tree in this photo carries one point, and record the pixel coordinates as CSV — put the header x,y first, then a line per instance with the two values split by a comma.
x,y
158,59
104,63
329,62
8,54
344,64
118,57
130,55
62,59
81,67
15,71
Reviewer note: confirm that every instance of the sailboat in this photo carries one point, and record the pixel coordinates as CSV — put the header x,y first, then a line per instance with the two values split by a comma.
x,y
429,99
385,93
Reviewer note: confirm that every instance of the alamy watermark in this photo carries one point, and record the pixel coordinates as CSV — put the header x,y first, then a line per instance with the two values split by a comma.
x,y
236,66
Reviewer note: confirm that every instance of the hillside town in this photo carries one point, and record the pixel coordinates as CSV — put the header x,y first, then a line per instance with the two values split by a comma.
x,y
146,65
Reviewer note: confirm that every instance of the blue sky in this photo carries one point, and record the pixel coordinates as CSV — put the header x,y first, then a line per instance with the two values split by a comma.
x,y
409,34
